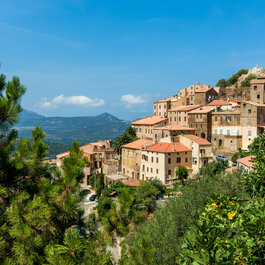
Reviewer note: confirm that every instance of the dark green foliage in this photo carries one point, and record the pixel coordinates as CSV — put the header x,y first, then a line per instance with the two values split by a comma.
x,y
182,174
222,83
213,168
169,224
127,137
233,79
39,204
255,180
246,82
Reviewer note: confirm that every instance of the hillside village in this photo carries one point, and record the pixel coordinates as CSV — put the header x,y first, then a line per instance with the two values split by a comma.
x,y
189,129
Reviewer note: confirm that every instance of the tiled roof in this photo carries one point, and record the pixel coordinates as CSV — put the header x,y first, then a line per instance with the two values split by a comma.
x,y
150,120
254,103
174,127
132,182
185,108
258,80
218,102
168,148
230,170
197,139
62,155
138,144
246,161
165,99
202,110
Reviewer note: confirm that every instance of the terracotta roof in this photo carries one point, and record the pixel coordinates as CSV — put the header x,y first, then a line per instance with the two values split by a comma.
x,y
174,127
150,120
197,139
246,161
254,103
138,144
168,148
230,170
185,108
218,102
62,155
202,110
132,182
259,80
98,143
165,99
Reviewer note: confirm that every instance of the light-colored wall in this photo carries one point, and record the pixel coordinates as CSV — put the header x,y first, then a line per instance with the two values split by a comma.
x,y
149,168
131,162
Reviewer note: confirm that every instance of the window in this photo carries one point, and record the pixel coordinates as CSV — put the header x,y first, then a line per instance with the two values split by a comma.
x,y
151,170
228,132
244,105
184,118
228,119
255,87
249,133
186,159
215,118
143,167
157,171
169,160
201,116
194,160
249,121
179,118
215,131
197,116
152,159
169,172
147,169
175,119
221,131
258,96
157,160
249,111
178,159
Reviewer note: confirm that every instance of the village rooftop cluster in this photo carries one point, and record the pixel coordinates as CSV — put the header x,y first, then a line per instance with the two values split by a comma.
x,y
189,129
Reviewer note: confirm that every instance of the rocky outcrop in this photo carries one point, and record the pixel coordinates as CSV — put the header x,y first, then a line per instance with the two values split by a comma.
x,y
257,71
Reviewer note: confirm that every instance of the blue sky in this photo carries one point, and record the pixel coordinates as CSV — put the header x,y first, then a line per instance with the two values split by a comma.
x,y
80,57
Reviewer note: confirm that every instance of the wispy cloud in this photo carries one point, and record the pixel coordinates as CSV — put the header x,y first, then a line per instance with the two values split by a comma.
x,y
71,43
130,100
73,100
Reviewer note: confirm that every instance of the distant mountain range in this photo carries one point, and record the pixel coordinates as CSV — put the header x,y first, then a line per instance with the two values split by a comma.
x,y
68,129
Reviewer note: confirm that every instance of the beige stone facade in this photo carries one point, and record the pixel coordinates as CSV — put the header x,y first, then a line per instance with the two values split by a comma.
x,y
200,120
131,158
161,160
204,96
144,127
201,151
257,92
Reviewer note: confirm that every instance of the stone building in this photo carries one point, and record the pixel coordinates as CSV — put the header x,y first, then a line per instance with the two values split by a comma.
x,y
170,131
236,93
204,96
131,157
179,115
161,107
201,151
144,127
190,91
252,120
161,160
257,92
97,154
226,131
200,120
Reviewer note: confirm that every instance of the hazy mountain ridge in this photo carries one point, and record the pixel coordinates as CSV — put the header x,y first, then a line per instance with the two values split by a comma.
x,y
68,129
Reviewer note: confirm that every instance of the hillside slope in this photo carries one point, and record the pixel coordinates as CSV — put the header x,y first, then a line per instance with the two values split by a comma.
x,y
69,129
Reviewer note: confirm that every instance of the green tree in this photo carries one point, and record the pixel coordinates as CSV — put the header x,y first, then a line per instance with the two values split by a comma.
x,y
222,83
233,79
182,174
246,82
127,137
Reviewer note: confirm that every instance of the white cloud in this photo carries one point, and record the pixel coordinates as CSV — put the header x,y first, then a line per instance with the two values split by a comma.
x,y
131,100
74,100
